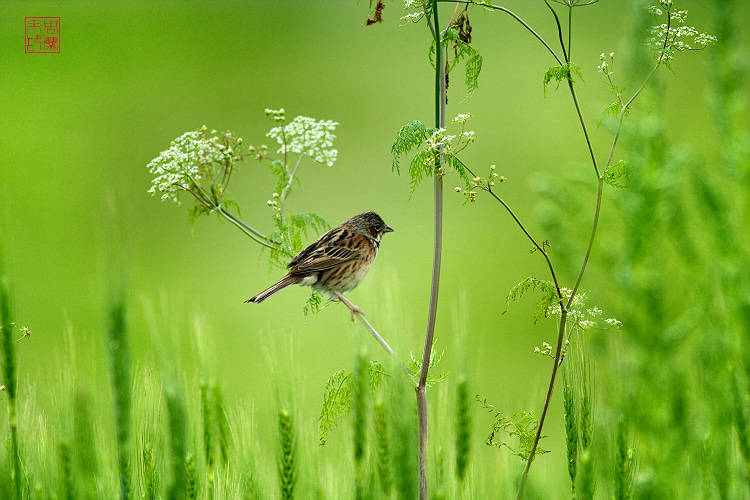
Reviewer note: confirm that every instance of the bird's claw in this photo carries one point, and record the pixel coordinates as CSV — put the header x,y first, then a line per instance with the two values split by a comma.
x,y
356,310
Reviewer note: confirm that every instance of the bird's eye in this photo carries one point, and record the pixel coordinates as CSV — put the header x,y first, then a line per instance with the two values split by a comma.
x,y
378,228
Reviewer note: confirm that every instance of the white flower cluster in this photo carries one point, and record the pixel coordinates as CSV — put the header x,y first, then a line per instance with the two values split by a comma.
x,y
185,163
584,318
607,62
309,137
450,143
546,349
675,33
414,16
437,139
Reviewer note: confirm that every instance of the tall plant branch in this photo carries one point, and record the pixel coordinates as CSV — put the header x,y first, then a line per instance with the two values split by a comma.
x,y
600,185
597,212
547,399
422,414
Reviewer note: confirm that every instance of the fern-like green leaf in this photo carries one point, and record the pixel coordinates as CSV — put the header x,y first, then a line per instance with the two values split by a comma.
x,y
612,110
302,222
459,167
614,175
377,374
521,426
195,212
228,203
420,167
337,397
315,303
460,51
473,68
410,136
415,368
548,301
560,73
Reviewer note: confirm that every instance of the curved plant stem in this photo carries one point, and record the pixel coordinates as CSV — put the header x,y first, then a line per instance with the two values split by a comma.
x,y
539,247
357,311
255,235
215,206
589,246
514,16
600,178
375,334
547,399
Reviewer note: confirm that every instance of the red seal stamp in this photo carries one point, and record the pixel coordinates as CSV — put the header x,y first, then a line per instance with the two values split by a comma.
x,y
42,35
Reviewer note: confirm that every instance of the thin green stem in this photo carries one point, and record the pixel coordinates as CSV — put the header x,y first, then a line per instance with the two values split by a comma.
x,y
357,311
252,233
287,186
600,184
585,129
204,199
570,31
10,378
436,259
590,244
547,399
539,247
559,32
514,16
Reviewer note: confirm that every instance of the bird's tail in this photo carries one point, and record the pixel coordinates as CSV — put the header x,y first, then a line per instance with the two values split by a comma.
x,y
283,283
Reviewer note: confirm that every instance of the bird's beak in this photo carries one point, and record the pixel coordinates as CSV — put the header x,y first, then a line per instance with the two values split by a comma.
x,y
388,229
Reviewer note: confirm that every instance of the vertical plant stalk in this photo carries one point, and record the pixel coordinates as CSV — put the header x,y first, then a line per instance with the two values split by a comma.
x,y
436,258
208,436
150,474
222,424
359,410
623,463
10,380
547,399
463,429
600,173
176,418
571,431
120,373
382,441
191,478
287,467
66,473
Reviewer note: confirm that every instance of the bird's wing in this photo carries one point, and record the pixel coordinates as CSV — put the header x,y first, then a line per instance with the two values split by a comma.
x,y
331,250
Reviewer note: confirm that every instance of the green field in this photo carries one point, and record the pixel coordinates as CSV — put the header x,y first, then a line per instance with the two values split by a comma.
x,y
141,372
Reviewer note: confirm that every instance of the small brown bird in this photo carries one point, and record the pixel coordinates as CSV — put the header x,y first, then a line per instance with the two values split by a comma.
x,y
338,261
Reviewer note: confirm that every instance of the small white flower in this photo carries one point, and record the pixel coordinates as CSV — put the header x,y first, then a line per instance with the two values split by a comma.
x,y
309,137
413,17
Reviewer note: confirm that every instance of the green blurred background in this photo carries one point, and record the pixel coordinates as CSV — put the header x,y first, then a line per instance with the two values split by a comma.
x,y
79,128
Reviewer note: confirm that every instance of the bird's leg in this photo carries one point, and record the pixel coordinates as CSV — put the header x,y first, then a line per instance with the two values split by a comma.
x,y
352,307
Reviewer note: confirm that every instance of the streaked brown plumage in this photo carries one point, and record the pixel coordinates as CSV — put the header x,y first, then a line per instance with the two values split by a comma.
x,y
338,261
